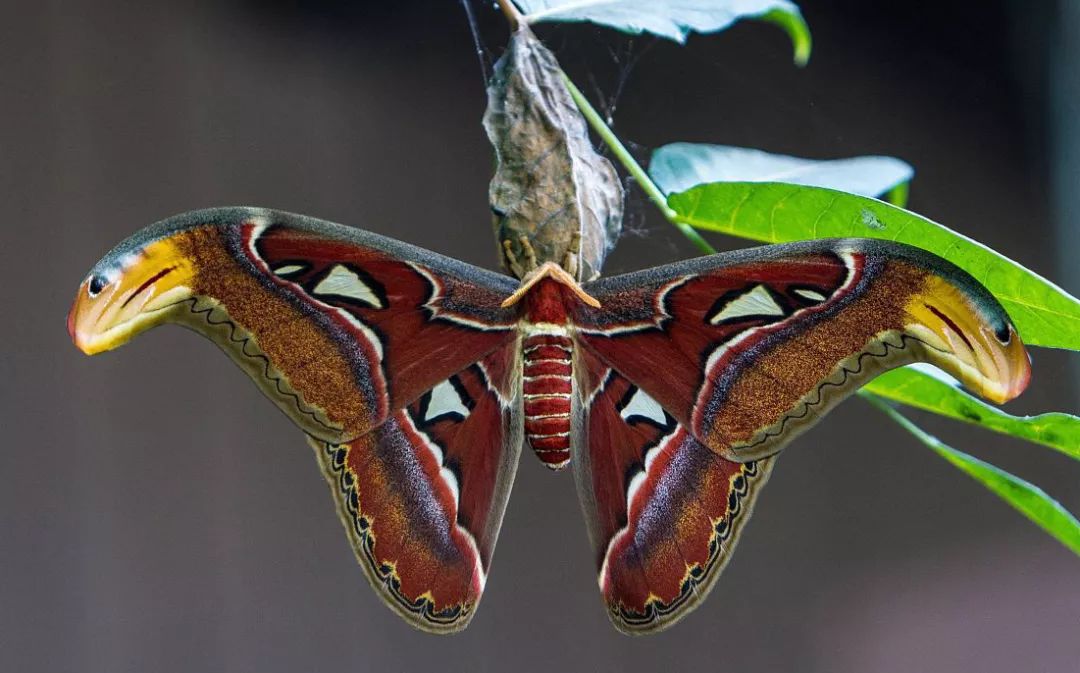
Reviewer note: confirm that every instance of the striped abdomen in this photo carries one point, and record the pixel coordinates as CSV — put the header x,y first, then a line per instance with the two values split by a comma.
x,y
547,387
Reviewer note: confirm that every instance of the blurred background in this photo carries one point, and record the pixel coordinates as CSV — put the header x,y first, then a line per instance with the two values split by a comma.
x,y
156,513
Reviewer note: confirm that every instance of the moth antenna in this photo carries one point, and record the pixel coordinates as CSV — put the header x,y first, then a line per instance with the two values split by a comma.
x,y
553,271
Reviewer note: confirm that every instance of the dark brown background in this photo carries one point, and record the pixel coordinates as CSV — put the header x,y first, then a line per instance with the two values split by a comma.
x,y
156,514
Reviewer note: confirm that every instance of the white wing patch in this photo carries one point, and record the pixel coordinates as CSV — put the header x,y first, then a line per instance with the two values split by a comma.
x,y
756,302
811,295
288,269
343,282
445,399
643,406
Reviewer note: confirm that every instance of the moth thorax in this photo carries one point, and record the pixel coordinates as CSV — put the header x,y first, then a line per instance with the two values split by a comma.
x,y
547,387
546,303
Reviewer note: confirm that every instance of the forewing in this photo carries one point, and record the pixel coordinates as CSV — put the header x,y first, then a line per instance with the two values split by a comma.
x,y
664,512
748,349
423,495
340,327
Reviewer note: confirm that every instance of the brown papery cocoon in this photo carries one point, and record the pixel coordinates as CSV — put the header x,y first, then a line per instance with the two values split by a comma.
x,y
554,198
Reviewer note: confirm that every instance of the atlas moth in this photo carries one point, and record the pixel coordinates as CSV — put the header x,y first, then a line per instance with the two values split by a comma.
x,y
418,378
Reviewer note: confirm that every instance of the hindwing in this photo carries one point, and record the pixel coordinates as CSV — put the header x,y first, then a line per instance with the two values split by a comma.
x,y
664,512
422,496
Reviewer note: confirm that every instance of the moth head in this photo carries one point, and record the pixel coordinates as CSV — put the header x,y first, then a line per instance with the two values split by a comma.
x,y
130,290
966,332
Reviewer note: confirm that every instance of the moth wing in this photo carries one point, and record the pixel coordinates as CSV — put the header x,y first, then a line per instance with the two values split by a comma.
x,y
339,327
405,318
422,496
664,512
692,376
398,363
749,349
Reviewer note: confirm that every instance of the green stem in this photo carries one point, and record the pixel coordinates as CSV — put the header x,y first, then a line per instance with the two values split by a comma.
x,y
634,168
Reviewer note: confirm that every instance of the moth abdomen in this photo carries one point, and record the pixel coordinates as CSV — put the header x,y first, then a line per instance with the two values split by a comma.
x,y
547,386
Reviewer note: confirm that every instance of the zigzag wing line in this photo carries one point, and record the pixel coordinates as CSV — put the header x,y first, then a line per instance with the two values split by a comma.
x,y
245,338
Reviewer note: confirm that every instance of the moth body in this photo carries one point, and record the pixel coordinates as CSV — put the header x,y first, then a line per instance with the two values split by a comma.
x,y
546,299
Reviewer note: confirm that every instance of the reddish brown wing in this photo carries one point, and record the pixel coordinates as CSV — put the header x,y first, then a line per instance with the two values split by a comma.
x,y
398,363
422,497
664,512
693,375
404,319
748,349
337,326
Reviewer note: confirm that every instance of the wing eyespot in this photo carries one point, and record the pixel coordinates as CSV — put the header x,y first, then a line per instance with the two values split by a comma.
x,y
1003,334
96,285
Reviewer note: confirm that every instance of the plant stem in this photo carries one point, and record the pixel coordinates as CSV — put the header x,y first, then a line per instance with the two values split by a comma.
x,y
511,12
634,168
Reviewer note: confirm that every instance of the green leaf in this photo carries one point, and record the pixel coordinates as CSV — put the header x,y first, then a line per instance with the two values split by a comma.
x,y
674,19
680,166
925,387
1029,499
1044,313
